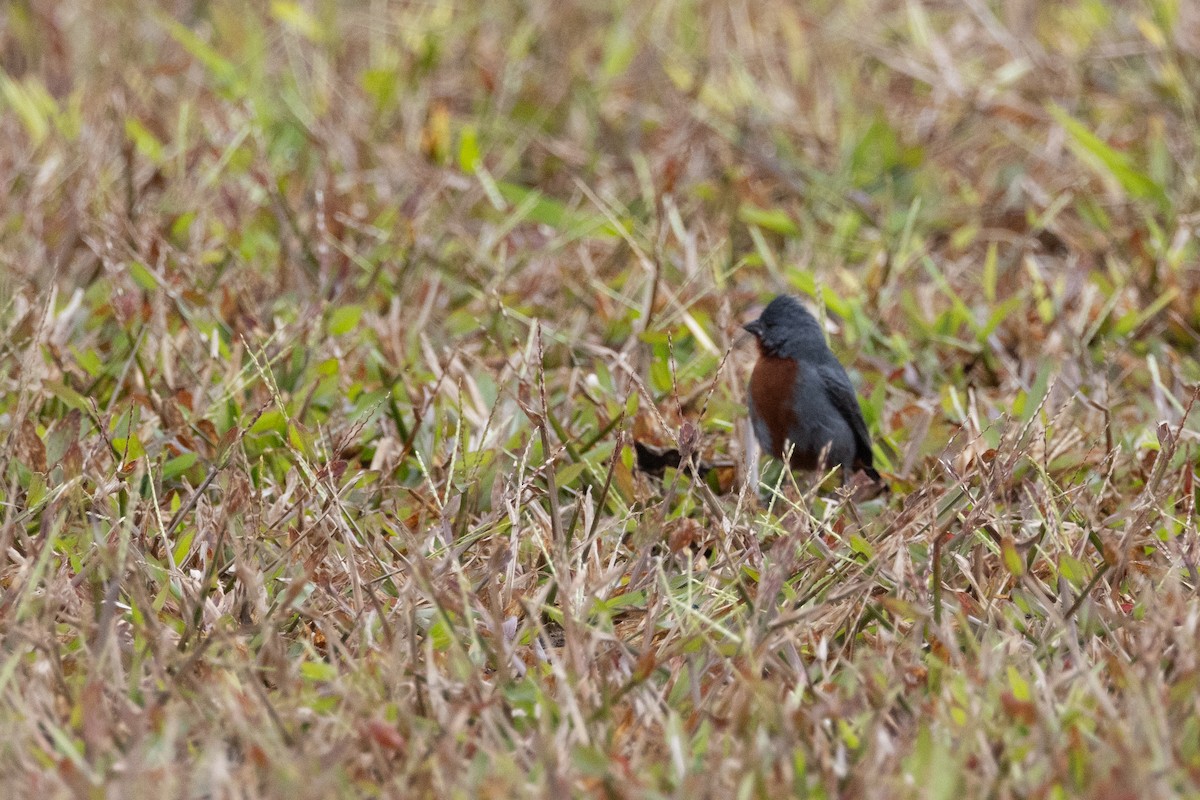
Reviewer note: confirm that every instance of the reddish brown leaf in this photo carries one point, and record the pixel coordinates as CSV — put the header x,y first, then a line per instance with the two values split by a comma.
x,y
30,450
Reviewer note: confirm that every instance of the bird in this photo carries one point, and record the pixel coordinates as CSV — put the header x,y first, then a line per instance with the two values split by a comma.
x,y
800,396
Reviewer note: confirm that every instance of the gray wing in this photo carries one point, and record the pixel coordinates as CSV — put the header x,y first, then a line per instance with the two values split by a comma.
x,y
841,395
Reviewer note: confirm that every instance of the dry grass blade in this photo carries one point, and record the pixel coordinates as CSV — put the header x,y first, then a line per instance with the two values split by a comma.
x,y
330,334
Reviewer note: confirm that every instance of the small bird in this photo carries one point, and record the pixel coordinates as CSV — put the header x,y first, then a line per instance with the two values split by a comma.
x,y
801,396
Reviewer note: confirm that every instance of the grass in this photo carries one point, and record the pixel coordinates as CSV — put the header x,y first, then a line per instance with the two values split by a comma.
x,y
328,328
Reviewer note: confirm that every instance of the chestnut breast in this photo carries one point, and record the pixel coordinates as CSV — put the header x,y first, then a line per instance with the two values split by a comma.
x,y
771,386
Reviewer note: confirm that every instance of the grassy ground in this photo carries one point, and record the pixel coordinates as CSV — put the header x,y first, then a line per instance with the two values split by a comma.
x,y
326,330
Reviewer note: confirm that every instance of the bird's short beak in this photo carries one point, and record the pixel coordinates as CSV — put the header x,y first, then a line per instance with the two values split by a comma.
x,y
754,327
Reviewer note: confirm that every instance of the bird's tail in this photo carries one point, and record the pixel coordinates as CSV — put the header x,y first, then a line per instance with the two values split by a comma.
x,y
871,473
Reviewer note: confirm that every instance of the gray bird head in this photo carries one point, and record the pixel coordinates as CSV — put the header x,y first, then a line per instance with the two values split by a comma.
x,y
786,328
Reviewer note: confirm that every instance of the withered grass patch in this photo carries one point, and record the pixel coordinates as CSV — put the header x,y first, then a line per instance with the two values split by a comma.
x,y
327,331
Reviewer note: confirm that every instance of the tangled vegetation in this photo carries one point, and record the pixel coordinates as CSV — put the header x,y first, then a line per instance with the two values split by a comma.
x,y
328,330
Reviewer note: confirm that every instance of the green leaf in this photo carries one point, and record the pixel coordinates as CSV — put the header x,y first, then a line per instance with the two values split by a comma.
x,y
1019,686
130,448
297,439
220,68
182,225
67,395
35,490
534,206
183,544
178,465
32,104
998,315
318,671
468,150
861,546
847,734
1131,321
989,272
142,276
146,142
880,152
382,86
623,600
1026,404
271,420
775,220
1103,158
440,635
1074,570
569,473
296,18
591,761
344,319
619,50
932,767
836,303
1012,559
89,360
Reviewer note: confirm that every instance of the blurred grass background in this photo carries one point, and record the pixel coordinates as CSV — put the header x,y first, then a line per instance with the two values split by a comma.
x,y
328,326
